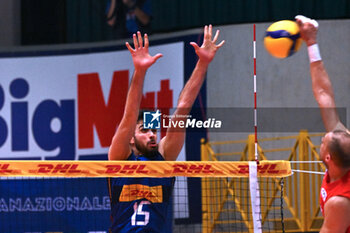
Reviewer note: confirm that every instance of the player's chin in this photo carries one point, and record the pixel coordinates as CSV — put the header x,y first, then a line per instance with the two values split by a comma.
x,y
153,147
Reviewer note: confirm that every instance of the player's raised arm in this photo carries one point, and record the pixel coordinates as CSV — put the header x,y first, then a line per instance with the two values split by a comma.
x,y
321,84
171,145
120,148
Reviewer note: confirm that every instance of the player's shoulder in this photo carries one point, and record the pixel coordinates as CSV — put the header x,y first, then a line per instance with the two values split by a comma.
x,y
339,202
336,214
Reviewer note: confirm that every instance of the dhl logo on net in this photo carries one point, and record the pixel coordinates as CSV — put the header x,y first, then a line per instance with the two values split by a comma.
x,y
140,169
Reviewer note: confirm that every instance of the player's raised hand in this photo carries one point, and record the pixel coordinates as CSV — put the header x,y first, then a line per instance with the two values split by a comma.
x,y
308,29
209,47
140,55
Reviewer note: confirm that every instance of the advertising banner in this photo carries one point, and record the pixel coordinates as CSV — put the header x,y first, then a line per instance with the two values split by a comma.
x,y
68,107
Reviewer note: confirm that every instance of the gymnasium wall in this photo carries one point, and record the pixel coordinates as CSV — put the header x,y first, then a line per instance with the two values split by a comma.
x,y
10,23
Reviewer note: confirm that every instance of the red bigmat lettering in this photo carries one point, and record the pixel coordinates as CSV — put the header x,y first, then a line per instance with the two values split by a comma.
x,y
164,100
148,101
93,112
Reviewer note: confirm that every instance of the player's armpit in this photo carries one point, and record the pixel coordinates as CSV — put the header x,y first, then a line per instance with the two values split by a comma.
x,y
340,126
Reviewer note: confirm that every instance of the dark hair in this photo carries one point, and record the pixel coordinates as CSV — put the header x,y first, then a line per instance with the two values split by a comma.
x,y
339,148
140,117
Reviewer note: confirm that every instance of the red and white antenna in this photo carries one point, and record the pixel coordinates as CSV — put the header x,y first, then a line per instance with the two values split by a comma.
x,y
255,102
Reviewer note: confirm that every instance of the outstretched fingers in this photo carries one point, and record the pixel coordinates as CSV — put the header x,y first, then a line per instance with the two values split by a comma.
x,y
195,46
146,41
129,47
210,31
138,42
216,36
136,45
157,56
206,33
139,37
221,44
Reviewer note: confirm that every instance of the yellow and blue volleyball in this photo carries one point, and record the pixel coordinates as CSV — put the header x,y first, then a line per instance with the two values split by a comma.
x,y
282,38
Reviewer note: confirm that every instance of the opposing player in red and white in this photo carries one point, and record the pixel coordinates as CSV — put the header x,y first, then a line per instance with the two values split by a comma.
x,y
335,147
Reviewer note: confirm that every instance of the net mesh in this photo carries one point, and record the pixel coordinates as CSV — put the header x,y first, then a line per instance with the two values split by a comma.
x,y
228,207
201,202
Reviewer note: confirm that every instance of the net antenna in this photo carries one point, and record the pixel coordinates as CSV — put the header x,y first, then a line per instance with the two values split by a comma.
x,y
255,98
253,165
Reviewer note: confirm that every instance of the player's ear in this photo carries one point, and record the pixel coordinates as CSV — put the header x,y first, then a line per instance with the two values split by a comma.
x,y
132,140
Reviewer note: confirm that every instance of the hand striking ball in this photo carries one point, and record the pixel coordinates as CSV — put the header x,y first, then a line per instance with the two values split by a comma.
x,y
282,38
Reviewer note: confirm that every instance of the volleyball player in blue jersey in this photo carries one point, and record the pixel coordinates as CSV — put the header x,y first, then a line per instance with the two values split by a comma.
x,y
141,204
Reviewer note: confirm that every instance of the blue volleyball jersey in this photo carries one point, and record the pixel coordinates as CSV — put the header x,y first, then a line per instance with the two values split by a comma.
x,y
140,204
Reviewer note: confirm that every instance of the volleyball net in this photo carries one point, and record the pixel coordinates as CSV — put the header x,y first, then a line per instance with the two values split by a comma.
x,y
72,196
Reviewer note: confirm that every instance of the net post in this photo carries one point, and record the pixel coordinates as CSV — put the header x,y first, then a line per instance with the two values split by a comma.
x,y
204,151
205,188
304,181
251,147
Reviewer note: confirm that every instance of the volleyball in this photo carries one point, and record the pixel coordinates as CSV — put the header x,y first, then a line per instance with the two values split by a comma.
x,y
282,38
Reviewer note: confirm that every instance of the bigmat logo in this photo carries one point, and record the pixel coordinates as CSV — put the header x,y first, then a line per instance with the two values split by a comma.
x,y
69,107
